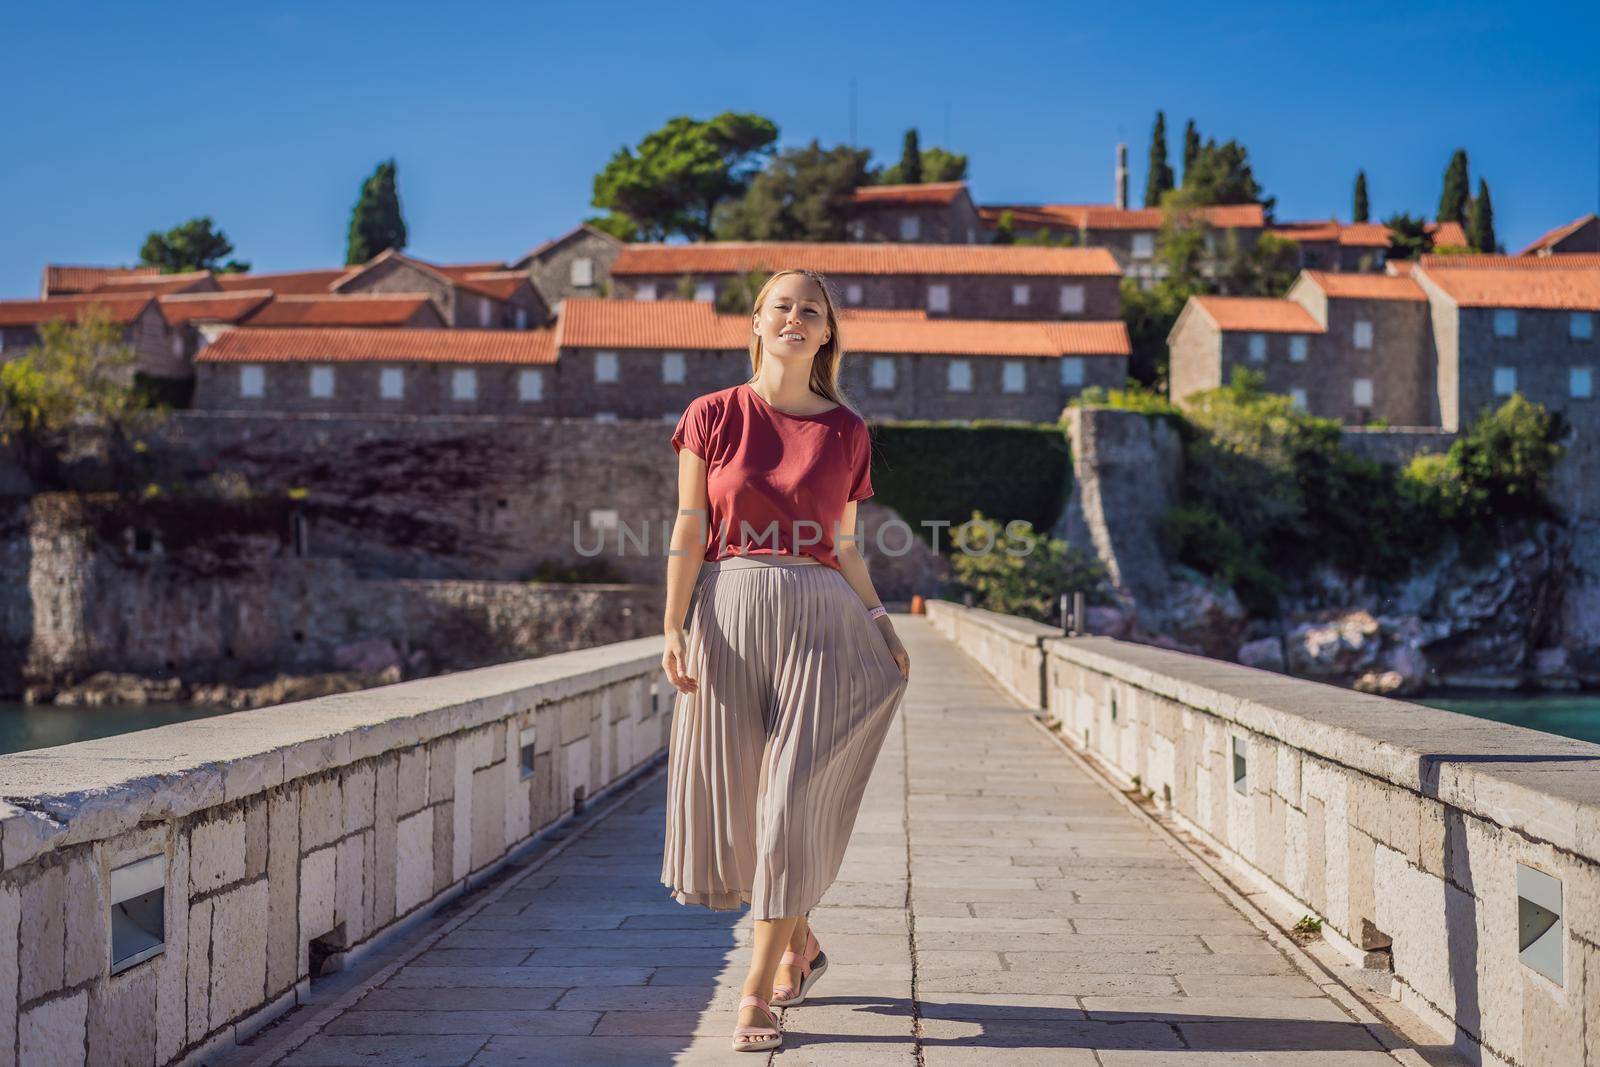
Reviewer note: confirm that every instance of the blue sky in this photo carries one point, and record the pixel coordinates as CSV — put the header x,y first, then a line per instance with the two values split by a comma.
x,y
123,118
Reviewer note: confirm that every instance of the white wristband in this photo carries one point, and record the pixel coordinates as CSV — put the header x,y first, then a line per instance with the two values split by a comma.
x,y
875,612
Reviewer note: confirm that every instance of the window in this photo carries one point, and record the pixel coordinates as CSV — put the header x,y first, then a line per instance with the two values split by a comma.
x,y
1361,334
882,372
645,291
605,416
672,368
1580,382
2,340
322,382
958,376
485,312
1258,348
1297,348
177,344
1297,397
938,298
1505,322
1581,326
1144,245
522,318
583,272
852,293
1505,381
1072,370
1013,376
252,380
705,292
857,230
1072,299
391,383
530,385
1019,295
1361,393
464,384
910,228
605,366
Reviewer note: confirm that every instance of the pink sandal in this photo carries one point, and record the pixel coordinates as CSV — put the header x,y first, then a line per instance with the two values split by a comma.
x,y
811,969
758,1037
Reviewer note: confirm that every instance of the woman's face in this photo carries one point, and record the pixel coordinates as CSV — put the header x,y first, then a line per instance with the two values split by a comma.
x,y
793,322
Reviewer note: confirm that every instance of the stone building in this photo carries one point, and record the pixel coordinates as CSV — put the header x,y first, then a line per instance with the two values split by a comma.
x,y
958,281
1579,235
578,263
367,371
469,296
1337,246
144,329
926,213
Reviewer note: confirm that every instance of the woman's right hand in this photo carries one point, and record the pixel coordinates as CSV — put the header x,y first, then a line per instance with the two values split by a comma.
x,y
673,660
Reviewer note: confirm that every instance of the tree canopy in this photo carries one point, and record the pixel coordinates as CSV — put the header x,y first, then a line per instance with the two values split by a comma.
x,y
802,195
376,224
1408,236
193,245
1221,174
918,165
1159,177
1480,221
673,183
1457,189
1361,209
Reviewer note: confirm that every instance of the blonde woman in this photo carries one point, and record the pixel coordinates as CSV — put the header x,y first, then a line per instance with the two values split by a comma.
x,y
789,671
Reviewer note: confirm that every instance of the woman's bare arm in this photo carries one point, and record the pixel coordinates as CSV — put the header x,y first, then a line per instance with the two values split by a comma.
x,y
854,568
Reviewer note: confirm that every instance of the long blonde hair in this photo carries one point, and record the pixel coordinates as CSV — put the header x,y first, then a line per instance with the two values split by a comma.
x,y
825,367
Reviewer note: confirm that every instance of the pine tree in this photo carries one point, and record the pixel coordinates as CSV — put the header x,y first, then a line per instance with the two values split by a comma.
x,y
1457,189
1191,147
376,224
911,159
1480,221
1362,209
1159,178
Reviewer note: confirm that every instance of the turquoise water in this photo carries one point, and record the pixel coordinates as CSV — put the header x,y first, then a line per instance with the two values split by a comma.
x,y
1569,714
23,727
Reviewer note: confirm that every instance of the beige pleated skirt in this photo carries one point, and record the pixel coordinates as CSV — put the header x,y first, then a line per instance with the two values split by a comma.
x,y
768,759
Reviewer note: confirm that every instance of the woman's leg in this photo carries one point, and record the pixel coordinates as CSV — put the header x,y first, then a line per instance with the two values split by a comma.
x,y
790,975
771,938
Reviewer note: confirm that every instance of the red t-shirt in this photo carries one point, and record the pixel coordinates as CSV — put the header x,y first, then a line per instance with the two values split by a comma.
x,y
776,483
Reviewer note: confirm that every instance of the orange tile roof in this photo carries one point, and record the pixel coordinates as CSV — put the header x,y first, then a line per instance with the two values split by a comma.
x,y
357,309
185,282
1552,237
1365,286
122,309
1554,288
1307,231
246,344
1258,314
1447,234
921,193
727,257
1111,217
60,280
693,325
1553,261
500,284
179,308
1400,268
1364,234
320,280
890,314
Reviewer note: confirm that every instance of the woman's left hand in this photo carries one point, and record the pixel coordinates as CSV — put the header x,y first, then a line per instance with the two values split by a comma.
x,y
896,649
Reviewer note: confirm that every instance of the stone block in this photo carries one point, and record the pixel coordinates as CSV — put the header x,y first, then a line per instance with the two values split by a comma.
x,y
318,883
444,838
122,1020
1591,983
1361,895
239,923
358,785
442,770
1295,859
10,919
1316,854
349,907
412,781
385,818
172,966
283,890
1552,1019
216,853
255,838
461,858
42,949
88,944
52,1034
488,815
413,861
1288,780
321,812
199,970
1405,815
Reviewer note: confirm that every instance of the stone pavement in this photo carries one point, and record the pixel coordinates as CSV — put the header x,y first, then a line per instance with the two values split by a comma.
x,y
996,906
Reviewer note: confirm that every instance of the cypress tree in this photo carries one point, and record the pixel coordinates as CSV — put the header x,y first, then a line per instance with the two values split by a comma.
x,y
1159,178
911,159
376,224
1362,209
1191,147
1480,221
1457,189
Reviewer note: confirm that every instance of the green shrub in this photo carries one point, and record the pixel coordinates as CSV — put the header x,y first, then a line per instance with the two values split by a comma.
x,y
1010,569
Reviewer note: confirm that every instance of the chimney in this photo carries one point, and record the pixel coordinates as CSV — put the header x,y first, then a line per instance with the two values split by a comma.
x,y
1122,175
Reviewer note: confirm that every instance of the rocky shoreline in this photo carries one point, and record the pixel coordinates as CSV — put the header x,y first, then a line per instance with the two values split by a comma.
x,y
110,687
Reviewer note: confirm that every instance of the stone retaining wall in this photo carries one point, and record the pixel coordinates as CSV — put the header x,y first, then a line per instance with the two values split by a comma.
x,y
1423,837
285,836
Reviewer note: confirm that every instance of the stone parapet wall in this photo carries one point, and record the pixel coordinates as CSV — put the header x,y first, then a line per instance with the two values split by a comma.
x,y
1407,830
284,837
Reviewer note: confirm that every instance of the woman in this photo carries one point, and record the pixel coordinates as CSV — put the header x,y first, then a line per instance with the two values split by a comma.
x,y
790,670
